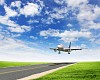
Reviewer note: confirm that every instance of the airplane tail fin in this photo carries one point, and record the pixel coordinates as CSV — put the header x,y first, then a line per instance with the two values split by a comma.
x,y
70,45
69,48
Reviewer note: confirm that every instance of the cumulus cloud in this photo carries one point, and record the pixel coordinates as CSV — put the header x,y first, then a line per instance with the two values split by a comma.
x,y
87,13
6,21
83,46
66,36
32,37
97,11
91,25
56,13
30,9
59,13
10,12
32,21
69,25
74,3
20,29
16,4
15,35
2,2
26,28
17,50
87,18
59,1
12,26
49,32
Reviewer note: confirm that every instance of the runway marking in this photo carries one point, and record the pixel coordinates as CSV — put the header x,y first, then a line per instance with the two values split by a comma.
x,y
21,70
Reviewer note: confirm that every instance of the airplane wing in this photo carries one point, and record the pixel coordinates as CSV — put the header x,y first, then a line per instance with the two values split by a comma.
x,y
55,49
75,49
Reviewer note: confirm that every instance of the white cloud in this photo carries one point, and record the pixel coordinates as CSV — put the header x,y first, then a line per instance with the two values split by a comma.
x,y
49,20
59,13
16,29
15,35
88,12
49,32
87,15
97,41
10,12
32,37
6,21
91,25
59,1
84,55
56,13
66,36
30,9
12,26
17,50
97,11
1,36
26,28
74,3
83,46
16,4
57,16
2,2
20,29
32,21
69,25
81,10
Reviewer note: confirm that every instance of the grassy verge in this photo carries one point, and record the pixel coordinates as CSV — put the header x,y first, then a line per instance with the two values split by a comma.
x,y
10,64
79,71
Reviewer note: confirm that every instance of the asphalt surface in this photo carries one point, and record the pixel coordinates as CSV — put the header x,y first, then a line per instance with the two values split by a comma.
x,y
14,73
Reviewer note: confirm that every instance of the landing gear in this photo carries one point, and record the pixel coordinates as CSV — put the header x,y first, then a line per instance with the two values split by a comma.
x,y
55,50
59,52
68,52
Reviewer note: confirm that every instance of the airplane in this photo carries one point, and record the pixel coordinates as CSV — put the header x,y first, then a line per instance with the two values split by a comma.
x,y
61,48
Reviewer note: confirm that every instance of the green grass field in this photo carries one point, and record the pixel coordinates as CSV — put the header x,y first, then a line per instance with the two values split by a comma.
x,y
10,64
78,71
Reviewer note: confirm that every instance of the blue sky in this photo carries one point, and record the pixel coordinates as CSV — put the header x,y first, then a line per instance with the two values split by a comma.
x,y
28,28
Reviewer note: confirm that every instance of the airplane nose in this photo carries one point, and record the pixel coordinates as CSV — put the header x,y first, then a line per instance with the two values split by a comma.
x,y
60,46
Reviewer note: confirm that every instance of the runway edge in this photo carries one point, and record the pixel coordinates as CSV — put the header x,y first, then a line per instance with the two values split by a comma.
x,y
38,75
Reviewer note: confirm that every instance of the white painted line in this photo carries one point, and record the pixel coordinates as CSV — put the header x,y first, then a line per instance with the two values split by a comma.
x,y
38,75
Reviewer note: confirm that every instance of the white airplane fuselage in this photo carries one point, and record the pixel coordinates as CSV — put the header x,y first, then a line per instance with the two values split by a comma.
x,y
61,48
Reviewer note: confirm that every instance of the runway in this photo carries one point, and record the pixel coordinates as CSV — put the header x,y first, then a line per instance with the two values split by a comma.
x,y
14,73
